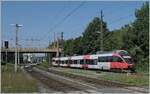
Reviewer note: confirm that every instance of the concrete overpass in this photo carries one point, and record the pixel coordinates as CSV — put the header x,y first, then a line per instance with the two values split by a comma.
x,y
32,50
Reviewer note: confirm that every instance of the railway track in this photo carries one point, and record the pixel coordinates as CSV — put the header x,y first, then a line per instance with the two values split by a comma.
x,y
97,82
64,82
94,81
59,84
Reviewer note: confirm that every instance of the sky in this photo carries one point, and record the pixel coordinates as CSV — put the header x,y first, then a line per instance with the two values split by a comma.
x,y
40,19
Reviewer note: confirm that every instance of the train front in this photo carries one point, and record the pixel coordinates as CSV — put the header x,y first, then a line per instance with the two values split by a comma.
x,y
128,59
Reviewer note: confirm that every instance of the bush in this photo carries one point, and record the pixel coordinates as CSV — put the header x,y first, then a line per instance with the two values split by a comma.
x,y
143,65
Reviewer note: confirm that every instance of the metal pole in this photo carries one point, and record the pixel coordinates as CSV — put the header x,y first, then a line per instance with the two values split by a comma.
x,y
101,47
62,44
2,43
57,54
16,50
54,40
6,59
18,57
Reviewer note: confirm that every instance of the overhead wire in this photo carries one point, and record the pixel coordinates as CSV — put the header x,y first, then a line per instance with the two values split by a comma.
x,y
59,23
115,21
68,15
58,14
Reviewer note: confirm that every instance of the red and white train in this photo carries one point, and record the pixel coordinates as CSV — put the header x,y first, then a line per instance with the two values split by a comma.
x,y
118,59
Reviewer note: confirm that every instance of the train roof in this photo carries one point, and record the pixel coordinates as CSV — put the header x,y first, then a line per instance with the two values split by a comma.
x,y
93,56
114,51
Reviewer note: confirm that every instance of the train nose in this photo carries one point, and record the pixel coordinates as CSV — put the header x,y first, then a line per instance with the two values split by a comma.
x,y
131,65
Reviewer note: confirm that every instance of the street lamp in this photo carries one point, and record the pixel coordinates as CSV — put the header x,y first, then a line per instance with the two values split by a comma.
x,y
16,50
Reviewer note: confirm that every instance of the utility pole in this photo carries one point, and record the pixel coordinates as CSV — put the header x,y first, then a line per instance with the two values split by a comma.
x,y
62,43
57,54
1,54
16,50
54,40
101,47
18,54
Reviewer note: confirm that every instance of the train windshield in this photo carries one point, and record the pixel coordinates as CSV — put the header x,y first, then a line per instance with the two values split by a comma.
x,y
124,53
128,59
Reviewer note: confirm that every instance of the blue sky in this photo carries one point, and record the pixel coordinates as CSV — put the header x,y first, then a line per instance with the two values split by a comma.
x,y
39,17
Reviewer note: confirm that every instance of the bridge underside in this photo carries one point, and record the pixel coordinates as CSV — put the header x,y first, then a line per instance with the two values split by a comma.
x,y
50,52
32,50
11,56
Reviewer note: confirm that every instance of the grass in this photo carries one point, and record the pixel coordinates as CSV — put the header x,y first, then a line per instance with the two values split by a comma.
x,y
18,82
135,79
44,65
139,79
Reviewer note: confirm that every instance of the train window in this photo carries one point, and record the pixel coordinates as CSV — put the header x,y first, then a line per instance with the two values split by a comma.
x,y
87,61
81,61
91,62
124,53
75,61
116,59
110,58
56,61
78,61
103,59
95,62
68,61
71,62
65,61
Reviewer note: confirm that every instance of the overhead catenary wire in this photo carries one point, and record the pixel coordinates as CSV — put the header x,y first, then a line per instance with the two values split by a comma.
x,y
58,14
115,21
121,18
68,15
60,22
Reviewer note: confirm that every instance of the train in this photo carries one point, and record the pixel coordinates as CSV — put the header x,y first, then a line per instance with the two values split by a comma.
x,y
114,60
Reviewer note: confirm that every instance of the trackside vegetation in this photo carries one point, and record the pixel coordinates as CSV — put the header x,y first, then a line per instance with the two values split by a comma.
x,y
140,79
18,82
43,65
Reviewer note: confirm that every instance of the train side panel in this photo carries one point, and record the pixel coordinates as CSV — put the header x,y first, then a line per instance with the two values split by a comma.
x,y
104,65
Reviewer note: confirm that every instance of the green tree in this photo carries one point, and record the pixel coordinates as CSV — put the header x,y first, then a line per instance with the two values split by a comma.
x,y
91,36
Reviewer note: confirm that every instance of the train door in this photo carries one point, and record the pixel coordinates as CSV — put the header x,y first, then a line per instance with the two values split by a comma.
x,y
86,59
92,64
85,64
103,63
